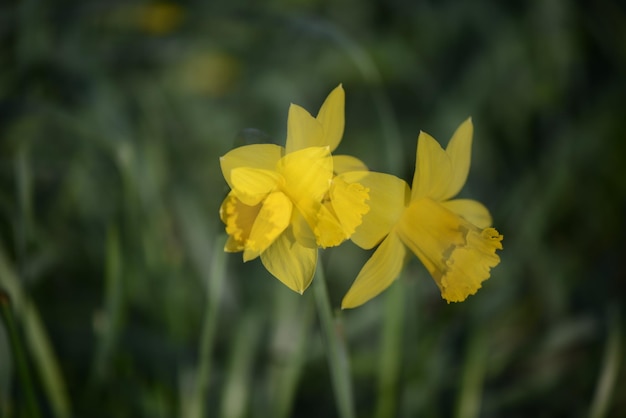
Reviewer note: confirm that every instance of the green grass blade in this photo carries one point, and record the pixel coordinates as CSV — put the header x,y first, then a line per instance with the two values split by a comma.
x,y
199,242
474,368
114,301
19,356
239,385
608,375
36,340
47,364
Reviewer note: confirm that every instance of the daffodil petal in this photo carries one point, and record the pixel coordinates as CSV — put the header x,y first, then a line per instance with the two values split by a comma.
x,y
471,264
303,130
264,156
343,211
239,219
331,117
307,174
349,203
472,210
459,150
251,185
433,169
273,218
232,245
430,230
378,273
458,255
302,231
387,197
328,230
346,163
290,262
224,206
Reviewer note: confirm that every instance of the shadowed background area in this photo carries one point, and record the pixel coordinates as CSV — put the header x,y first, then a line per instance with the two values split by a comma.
x,y
117,298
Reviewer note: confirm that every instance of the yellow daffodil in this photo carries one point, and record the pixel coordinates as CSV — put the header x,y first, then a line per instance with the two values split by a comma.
x,y
452,238
285,202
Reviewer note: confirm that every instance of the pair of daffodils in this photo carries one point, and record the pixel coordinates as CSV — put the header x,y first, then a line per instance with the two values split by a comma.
x,y
285,203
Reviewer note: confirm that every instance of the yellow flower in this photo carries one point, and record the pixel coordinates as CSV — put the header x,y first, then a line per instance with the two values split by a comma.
x,y
452,238
285,202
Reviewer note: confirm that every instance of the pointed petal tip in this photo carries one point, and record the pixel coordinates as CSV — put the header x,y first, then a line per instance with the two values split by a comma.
x,y
345,305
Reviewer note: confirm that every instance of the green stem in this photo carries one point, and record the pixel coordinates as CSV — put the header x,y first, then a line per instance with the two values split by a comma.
x,y
335,345
391,351
293,319
238,386
21,362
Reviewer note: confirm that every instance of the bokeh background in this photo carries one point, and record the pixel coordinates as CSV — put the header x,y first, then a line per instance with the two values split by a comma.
x,y
118,301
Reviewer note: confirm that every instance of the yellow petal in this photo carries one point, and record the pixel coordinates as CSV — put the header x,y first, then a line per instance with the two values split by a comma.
x,y
348,200
251,185
328,231
458,255
232,245
345,163
302,231
433,169
378,273
264,156
331,117
239,219
387,196
471,264
272,219
473,211
460,152
441,174
307,174
303,130
290,262
342,213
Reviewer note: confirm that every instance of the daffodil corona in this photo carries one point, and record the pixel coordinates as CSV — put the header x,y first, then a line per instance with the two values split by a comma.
x,y
284,203
452,238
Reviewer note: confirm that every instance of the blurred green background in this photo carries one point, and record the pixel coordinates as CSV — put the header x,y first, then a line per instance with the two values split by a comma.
x,y
118,301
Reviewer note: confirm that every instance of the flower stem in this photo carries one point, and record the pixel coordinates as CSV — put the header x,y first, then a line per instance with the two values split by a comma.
x,y
335,345
293,319
390,351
